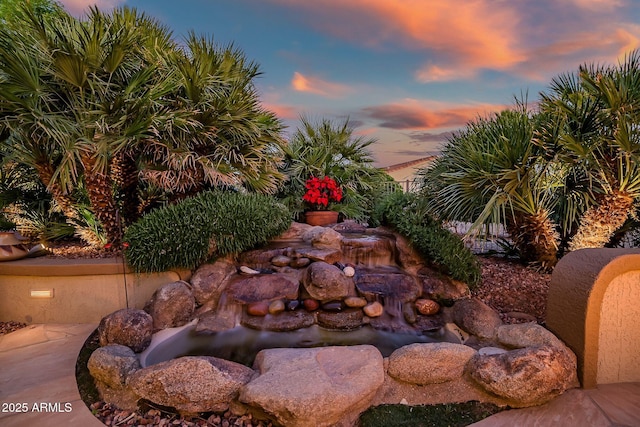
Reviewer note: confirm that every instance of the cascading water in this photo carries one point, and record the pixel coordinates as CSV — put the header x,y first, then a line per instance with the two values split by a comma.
x,y
224,333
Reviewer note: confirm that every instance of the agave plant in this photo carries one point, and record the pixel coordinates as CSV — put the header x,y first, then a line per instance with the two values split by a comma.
x,y
489,173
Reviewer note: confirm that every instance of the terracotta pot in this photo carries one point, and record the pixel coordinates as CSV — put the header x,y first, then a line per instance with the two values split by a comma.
x,y
321,217
10,247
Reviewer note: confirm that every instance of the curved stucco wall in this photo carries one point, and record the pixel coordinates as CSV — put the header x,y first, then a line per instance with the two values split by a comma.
x,y
592,295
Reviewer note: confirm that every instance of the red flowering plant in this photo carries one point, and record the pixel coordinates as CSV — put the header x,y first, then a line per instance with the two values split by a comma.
x,y
321,193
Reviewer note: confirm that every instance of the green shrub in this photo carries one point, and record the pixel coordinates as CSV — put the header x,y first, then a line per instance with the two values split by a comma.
x,y
208,225
408,215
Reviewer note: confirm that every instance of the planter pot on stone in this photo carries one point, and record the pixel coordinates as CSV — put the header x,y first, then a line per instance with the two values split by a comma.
x,y
321,217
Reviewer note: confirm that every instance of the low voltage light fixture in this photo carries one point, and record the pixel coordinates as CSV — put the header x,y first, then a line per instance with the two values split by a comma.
x,y
41,293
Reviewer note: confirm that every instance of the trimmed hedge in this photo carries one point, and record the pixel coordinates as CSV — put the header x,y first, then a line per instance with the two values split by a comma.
x,y
407,214
209,225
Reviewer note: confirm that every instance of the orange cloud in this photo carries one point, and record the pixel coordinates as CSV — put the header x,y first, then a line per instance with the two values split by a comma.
x,y
460,39
411,114
317,86
78,7
476,34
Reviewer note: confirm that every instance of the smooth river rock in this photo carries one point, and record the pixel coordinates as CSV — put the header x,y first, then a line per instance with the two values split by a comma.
x,y
315,387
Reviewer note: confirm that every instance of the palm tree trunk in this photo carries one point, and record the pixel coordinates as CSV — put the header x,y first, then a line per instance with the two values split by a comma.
x,y
99,189
535,238
600,222
65,203
124,173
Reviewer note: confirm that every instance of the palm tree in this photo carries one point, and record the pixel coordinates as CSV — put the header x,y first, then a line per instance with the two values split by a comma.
x,y
489,173
226,137
102,103
595,134
330,149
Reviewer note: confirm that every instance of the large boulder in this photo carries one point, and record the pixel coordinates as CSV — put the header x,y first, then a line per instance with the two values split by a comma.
x,y
316,387
430,363
191,384
326,282
110,366
262,287
476,318
208,281
129,326
527,335
171,305
525,377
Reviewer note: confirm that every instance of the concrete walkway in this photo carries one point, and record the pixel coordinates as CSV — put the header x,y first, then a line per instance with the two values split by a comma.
x,y
38,387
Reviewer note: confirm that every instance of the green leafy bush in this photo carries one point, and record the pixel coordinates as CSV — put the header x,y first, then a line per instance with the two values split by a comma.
x,y
408,215
209,225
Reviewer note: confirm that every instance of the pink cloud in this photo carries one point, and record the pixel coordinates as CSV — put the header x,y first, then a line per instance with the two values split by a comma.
x,y
79,7
318,86
286,112
459,40
411,114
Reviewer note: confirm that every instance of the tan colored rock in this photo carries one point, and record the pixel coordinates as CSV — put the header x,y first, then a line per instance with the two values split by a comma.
x,y
527,335
191,384
317,387
295,232
430,363
526,377
325,282
476,318
355,302
112,364
262,287
329,256
171,305
323,238
280,260
209,280
427,307
276,307
129,327
375,309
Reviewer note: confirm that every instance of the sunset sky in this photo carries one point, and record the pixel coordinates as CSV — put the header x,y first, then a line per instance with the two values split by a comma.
x,y
406,72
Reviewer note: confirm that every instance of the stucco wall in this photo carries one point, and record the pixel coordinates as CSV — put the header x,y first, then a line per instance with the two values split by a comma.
x,y
579,314
84,291
619,340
